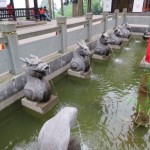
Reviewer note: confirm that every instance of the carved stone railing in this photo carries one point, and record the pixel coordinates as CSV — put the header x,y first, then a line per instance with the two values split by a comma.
x,y
45,41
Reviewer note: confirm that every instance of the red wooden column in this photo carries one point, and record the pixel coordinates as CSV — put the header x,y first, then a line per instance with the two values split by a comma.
x,y
36,9
144,5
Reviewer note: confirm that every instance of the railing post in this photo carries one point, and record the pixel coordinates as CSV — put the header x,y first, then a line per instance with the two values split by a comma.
x,y
116,12
61,22
89,17
105,16
124,15
9,30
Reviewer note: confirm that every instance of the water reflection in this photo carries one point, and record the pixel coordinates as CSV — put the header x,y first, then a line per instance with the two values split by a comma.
x,y
118,61
127,48
137,41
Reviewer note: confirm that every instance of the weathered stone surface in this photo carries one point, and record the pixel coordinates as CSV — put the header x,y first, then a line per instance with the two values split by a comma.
x,y
55,133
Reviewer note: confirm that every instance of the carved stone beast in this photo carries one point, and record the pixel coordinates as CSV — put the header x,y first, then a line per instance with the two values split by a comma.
x,y
36,88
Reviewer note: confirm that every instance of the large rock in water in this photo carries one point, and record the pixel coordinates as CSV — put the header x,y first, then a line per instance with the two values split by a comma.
x,y
55,133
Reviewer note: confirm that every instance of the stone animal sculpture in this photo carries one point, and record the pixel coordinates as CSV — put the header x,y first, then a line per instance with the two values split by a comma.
x,y
146,35
55,133
102,47
127,26
118,32
124,29
81,60
114,40
36,88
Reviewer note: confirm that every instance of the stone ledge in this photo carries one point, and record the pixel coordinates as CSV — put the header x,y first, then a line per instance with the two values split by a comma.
x,y
101,57
80,74
117,46
40,107
125,39
144,64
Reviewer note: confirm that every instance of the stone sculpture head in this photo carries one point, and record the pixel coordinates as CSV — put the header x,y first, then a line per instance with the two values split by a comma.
x,y
84,49
35,67
127,26
104,39
118,32
70,114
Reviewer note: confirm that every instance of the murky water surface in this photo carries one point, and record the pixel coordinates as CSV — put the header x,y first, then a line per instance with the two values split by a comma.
x,y
105,103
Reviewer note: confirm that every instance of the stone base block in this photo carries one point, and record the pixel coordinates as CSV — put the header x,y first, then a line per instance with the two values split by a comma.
x,y
144,64
116,46
80,74
125,39
40,107
101,57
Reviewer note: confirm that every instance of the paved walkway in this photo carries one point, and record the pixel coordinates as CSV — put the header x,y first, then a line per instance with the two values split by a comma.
x,y
51,24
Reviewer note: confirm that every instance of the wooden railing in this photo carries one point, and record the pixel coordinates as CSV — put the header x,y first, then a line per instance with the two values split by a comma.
x,y
15,13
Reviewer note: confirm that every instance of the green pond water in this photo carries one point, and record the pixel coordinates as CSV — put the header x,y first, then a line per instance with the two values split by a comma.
x,y
105,104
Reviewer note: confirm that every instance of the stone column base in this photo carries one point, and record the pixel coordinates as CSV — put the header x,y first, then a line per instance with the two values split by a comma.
x,y
118,47
144,64
101,57
125,39
80,74
40,107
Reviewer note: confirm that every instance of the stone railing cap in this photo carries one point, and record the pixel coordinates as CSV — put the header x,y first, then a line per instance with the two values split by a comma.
x,y
89,15
7,26
116,11
61,20
124,9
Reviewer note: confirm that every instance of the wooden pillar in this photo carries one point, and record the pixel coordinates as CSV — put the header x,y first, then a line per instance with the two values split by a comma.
x,y
89,6
50,7
36,9
74,9
80,8
62,8
12,3
144,5
53,9
27,11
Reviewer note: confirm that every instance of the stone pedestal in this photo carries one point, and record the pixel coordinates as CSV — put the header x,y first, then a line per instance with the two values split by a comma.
x,y
40,107
144,64
80,74
125,39
117,46
101,57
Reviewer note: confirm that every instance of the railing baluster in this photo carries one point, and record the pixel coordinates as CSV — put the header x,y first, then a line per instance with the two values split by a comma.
x,y
23,12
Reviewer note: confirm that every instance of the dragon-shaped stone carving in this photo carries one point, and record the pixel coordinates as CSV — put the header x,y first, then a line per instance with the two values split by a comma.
x,y
102,47
36,88
81,60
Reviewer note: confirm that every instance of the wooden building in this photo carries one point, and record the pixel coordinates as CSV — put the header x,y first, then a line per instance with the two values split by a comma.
x,y
120,4
20,12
